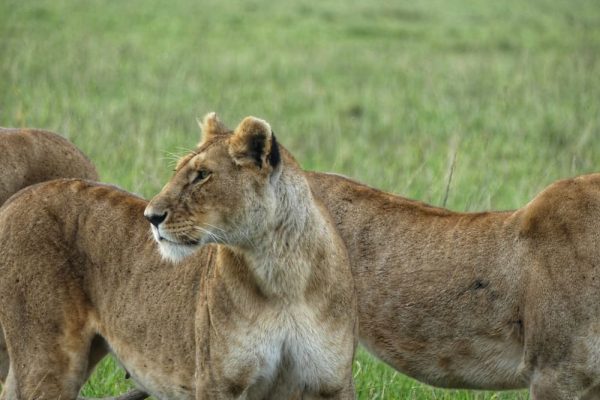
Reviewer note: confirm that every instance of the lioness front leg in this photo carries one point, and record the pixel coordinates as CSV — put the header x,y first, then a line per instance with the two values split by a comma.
x,y
49,349
41,370
220,391
345,393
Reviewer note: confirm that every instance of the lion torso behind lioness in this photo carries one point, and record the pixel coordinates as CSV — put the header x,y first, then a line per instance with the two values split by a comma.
x,y
30,156
489,300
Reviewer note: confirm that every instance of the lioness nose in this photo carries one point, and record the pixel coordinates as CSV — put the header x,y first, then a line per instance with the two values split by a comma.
x,y
156,219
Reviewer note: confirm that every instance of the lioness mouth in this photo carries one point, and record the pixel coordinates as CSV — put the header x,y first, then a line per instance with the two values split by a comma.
x,y
184,243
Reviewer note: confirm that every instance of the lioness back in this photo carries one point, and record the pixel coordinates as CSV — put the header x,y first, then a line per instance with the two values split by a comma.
x,y
30,156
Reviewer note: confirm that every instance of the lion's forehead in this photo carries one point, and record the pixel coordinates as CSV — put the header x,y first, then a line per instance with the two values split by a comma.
x,y
210,156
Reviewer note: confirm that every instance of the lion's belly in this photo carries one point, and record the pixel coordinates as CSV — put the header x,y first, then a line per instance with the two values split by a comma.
x,y
455,361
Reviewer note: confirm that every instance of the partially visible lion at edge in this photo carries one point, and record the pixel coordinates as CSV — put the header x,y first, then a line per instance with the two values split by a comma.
x,y
29,156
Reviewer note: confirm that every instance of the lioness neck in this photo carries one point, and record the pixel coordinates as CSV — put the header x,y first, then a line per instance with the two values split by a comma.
x,y
281,257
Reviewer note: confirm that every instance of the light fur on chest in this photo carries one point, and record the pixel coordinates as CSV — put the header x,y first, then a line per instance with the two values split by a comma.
x,y
288,347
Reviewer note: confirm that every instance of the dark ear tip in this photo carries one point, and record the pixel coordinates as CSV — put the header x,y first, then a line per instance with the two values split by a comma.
x,y
274,155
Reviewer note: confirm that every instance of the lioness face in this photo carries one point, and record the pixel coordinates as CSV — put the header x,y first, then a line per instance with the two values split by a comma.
x,y
221,193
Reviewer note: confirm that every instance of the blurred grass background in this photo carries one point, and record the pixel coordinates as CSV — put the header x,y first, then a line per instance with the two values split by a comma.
x,y
391,93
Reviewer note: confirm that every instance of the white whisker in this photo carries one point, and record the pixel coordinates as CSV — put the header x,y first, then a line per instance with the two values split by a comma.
x,y
216,227
214,236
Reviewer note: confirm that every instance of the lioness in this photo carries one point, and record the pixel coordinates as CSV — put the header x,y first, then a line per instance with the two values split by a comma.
x,y
492,300
268,312
30,156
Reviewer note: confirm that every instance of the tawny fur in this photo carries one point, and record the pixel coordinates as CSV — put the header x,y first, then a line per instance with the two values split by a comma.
x,y
30,156
492,300
476,300
82,276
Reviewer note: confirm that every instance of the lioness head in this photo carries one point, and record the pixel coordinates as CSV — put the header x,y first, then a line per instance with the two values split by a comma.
x,y
223,192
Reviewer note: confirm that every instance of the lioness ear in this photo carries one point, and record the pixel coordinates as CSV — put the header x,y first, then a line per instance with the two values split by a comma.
x,y
211,125
253,142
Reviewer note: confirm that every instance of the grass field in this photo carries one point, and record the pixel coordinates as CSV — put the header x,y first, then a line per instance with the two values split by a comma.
x,y
391,93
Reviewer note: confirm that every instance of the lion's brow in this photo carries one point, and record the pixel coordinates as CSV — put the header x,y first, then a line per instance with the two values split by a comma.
x,y
184,160
193,153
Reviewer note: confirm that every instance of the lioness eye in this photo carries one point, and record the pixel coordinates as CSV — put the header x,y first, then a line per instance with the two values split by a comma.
x,y
202,175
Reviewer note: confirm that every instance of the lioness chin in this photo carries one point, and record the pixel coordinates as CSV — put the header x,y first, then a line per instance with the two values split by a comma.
x,y
268,312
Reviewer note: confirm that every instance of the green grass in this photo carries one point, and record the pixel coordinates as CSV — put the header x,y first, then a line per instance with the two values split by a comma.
x,y
387,92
